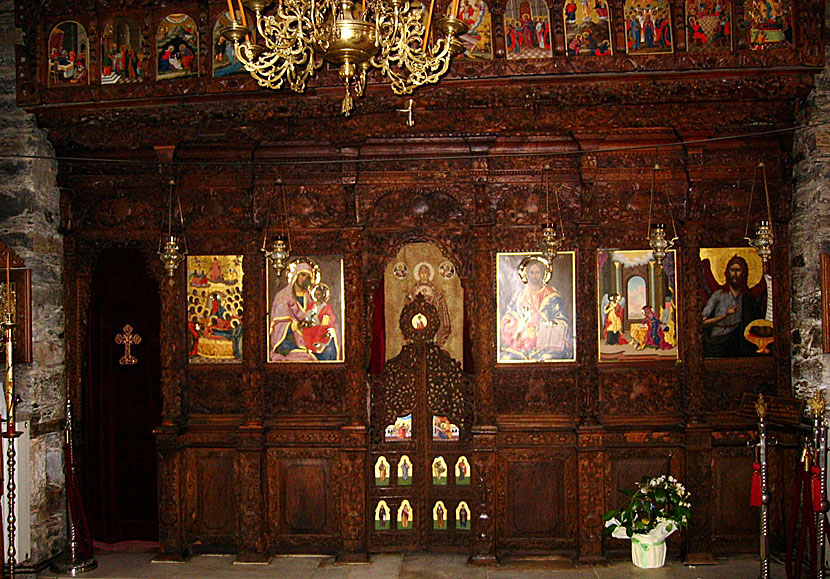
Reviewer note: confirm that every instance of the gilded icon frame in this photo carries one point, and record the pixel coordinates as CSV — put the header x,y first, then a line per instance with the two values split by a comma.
x,y
512,343
326,270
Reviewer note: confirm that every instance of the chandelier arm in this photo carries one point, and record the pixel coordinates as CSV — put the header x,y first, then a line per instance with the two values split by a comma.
x,y
289,56
360,83
423,69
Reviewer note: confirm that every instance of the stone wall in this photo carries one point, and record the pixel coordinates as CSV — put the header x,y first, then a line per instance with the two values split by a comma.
x,y
29,219
810,234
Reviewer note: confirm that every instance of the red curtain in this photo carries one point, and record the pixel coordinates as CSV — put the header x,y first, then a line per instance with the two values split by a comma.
x,y
121,403
377,358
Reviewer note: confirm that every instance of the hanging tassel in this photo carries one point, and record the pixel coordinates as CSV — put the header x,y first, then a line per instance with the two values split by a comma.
x,y
348,103
755,487
815,487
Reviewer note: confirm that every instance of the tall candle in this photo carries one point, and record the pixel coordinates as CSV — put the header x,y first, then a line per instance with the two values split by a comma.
x,y
230,10
454,10
425,40
242,14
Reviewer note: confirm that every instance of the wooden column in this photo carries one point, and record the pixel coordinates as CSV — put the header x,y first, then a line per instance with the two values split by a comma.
x,y
699,482
171,537
354,443
251,523
173,375
484,429
594,469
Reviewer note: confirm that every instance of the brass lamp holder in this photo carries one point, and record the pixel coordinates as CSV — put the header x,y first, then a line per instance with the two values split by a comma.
x,y
172,248
657,239
279,251
764,238
552,240
278,254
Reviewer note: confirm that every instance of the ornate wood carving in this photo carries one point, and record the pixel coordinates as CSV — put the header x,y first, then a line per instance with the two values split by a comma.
x,y
536,506
253,538
632,391
594,472
465,178
353,496
209,497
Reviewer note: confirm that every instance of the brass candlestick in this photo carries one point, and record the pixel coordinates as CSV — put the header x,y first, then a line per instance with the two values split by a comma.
x,y
11,432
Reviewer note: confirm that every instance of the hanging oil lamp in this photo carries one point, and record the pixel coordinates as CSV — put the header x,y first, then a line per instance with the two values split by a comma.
x,y
764,238
280,247
170,245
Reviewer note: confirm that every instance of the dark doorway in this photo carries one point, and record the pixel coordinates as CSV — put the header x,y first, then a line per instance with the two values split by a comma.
x,y
121,402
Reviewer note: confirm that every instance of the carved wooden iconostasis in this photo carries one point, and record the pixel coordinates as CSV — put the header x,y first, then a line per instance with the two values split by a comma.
x,y
266,452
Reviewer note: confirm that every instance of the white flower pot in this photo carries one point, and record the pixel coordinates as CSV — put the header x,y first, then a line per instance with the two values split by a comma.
x,y
648,551
647,554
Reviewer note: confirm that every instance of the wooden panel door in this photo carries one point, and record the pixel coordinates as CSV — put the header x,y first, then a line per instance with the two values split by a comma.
x,y
420,477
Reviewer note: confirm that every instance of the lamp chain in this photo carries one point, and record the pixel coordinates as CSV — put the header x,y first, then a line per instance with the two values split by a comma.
x,y
651,195
749,208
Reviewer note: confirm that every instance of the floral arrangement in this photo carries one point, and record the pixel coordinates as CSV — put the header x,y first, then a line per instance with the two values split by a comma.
x,y
660,503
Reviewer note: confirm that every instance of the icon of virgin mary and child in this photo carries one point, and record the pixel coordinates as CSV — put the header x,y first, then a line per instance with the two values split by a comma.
x,y
303,325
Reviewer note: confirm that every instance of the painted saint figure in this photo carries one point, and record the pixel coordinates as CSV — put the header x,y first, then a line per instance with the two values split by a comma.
x,y
535,326
440,519
613,321
404,471
433,295
303,324
728,312
462,518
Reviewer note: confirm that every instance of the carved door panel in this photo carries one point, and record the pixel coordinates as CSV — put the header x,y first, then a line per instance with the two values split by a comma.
x,y
419,470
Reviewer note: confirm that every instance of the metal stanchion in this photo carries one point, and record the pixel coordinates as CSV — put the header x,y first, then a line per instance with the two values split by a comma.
x,y
763,442
72,562
817,406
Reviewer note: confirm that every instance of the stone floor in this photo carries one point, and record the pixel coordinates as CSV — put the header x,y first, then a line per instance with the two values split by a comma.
x,y
114,565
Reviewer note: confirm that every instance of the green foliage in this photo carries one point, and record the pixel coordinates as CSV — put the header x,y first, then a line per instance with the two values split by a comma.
x,y
654,501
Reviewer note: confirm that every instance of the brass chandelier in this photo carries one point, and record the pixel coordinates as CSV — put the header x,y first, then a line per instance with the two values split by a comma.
x,y
300,35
